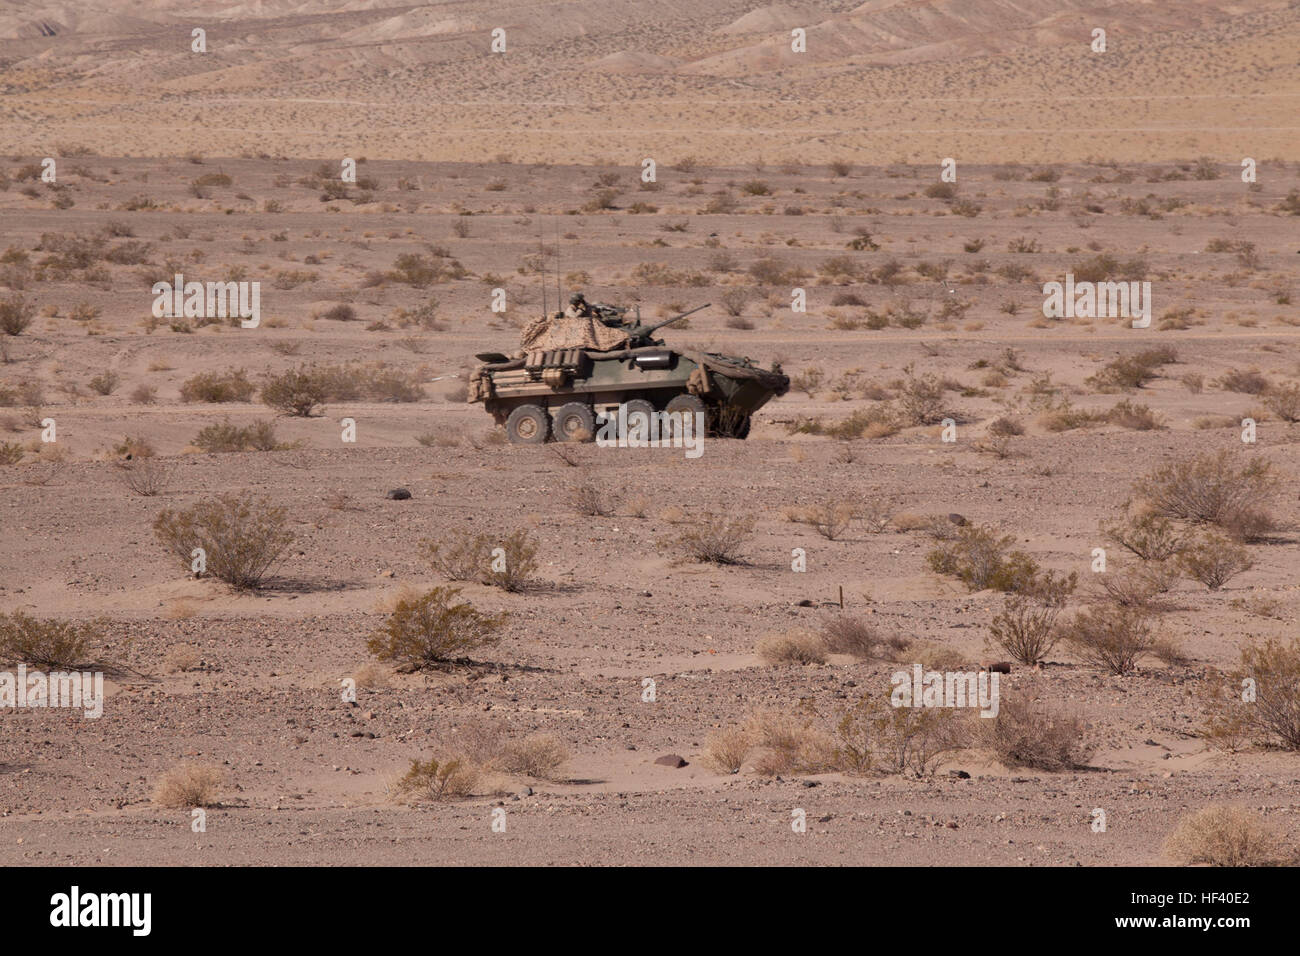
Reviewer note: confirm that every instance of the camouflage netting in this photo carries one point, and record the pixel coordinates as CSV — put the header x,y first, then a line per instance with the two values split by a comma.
x,y
571,332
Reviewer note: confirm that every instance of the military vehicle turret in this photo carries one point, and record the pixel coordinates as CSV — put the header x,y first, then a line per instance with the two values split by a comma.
x,y
572,370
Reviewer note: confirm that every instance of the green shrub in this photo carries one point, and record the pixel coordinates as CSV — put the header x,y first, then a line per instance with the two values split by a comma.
x,y
982,558
48,643
433,629
295,392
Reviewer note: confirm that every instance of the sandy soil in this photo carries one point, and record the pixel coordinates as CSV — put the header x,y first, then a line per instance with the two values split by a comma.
x,y
307,776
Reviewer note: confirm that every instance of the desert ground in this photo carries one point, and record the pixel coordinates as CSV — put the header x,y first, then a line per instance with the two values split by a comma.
x,y
930,397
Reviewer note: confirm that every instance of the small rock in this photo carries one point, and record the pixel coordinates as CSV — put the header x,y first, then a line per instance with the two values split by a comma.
x,y
388,573
959,774
804,603
526,792
398,494
671,760
959,520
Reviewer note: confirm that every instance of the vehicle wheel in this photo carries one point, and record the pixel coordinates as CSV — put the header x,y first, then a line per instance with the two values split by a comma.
x,y
574,421
730,422
690,405
635,428
528,425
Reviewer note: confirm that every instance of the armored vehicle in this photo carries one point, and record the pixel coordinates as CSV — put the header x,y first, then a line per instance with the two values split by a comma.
x,y
573,370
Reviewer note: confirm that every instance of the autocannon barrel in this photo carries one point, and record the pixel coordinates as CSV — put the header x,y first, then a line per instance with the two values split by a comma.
x,y
645,331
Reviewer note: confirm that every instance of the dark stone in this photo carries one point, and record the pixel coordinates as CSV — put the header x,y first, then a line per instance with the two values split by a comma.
x,y
671,760
959,520
804,603
398,494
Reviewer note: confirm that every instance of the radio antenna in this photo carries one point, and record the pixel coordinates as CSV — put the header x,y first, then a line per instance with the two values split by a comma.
x,y
541,245
559,293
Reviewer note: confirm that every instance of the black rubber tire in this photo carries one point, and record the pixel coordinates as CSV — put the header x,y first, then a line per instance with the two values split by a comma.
x,y
726,423
528,425
574,421
640,405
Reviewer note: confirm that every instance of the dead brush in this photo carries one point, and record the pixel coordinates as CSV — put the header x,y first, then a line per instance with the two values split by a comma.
x,y
505,562
829,518
1224,836
1142,587
1150,537
792,647
188,785
1024,734
873,734
537,755
1272,719
1111,636
787,744
713,539
1215,489
144,476
591,500
1214,559
847,634
728,749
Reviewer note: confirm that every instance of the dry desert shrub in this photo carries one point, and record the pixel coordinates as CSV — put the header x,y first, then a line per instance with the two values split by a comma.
x,y
1024,734
592,500
1138,587
1025,628
982,558
1111,636
1139,418
48,642
1223,836
537,755
188,785
295,392
144,476
240,537
505,562
1150,537
432,629
1284,402
226,437
1264,702
728,749
1132,371
786,744
714,539
181,658
793,647
808,380
16,314
433,780
217,387
876,735
1244,381
1215,489
830,518
847,634
1214,560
